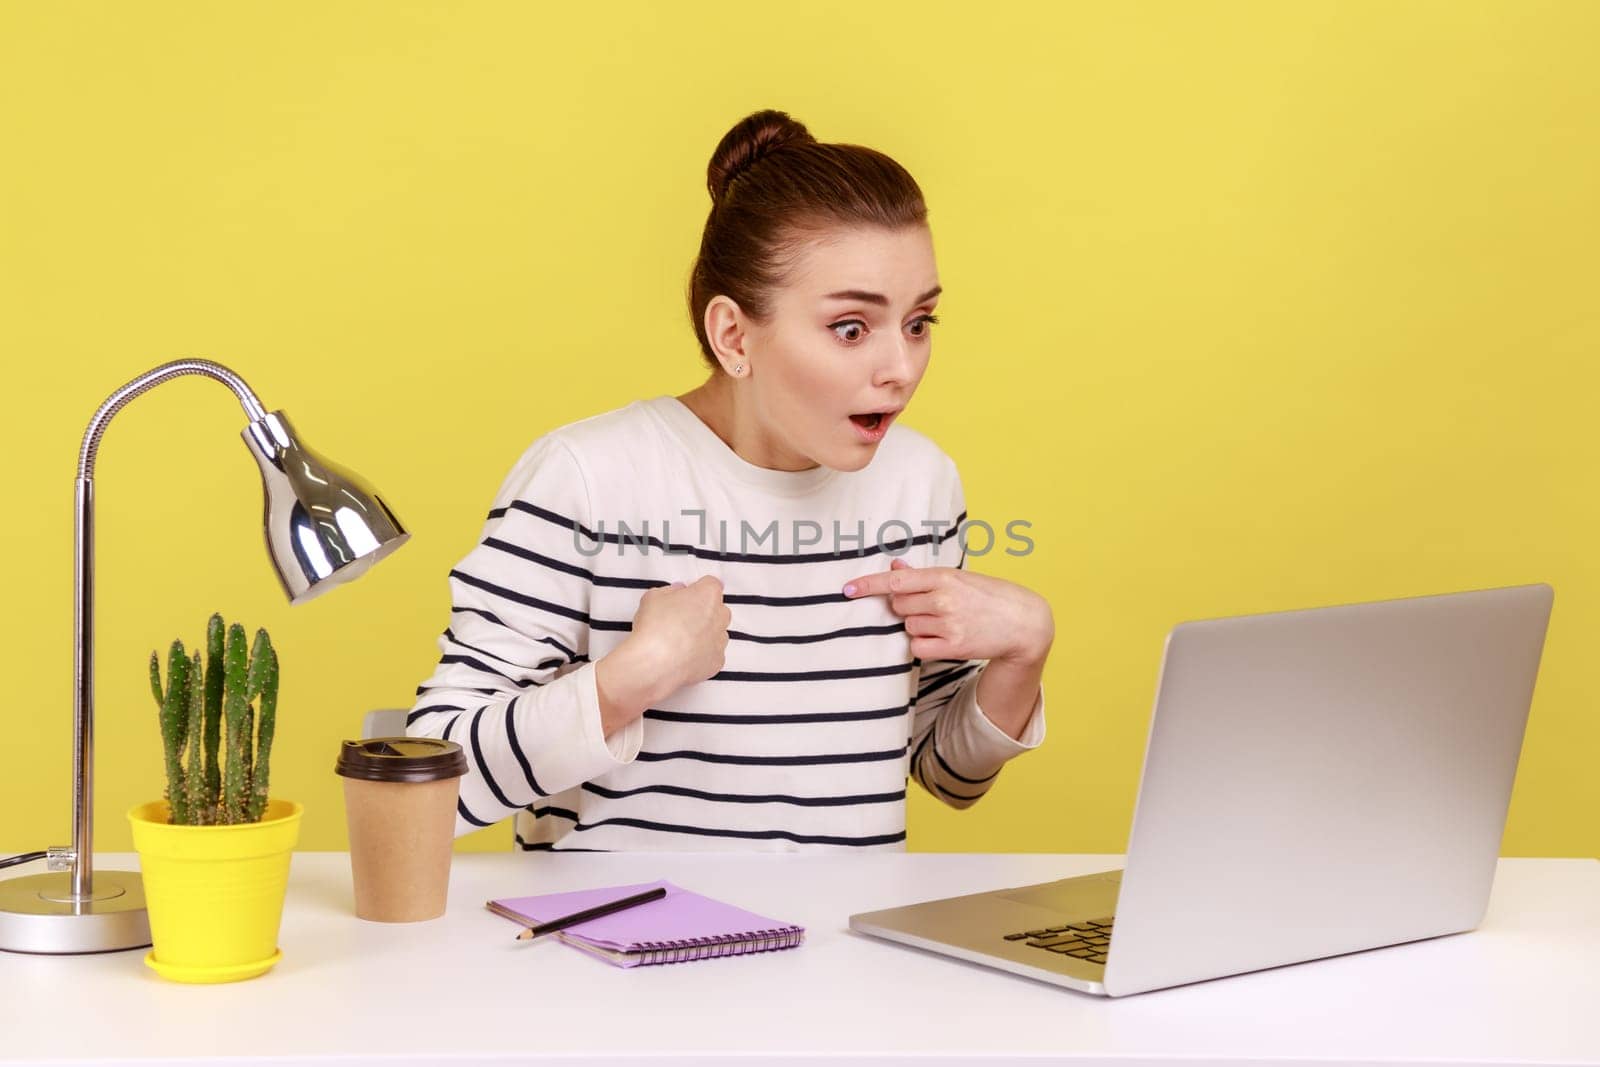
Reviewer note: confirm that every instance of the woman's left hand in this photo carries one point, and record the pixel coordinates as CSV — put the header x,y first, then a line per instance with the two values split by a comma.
x,y
952,613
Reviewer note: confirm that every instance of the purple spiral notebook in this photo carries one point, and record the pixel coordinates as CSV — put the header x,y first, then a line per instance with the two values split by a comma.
x,y
681,926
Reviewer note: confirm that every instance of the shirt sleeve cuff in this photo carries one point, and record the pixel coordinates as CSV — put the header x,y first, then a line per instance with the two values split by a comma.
x,y
567,735
984,743
612,750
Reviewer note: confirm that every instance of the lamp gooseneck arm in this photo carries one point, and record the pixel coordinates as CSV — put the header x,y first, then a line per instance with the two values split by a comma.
x,y
149,380
83,603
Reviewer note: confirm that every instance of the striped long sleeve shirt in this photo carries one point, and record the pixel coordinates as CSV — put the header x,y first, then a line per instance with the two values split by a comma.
x,y
808,736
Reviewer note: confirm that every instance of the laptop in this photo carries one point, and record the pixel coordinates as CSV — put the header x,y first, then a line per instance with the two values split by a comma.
x,y
1315,783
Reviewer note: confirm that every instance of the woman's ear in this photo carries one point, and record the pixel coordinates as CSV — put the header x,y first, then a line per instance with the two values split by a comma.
x,y
725,330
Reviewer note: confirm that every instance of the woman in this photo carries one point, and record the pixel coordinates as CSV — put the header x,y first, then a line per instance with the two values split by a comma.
x,y
739,618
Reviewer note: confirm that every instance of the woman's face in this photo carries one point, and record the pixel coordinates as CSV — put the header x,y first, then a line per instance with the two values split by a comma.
x,y
849,336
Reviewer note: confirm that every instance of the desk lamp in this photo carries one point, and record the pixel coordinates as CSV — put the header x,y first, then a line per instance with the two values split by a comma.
x,y
324,526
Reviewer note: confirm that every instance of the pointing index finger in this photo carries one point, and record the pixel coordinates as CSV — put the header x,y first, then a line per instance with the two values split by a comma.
x,y
903,578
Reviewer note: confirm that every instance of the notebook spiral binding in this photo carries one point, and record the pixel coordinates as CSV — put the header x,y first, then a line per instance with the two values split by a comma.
x,y
699,948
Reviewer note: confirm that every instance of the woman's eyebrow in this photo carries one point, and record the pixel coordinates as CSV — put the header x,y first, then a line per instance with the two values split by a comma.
x,y
879,298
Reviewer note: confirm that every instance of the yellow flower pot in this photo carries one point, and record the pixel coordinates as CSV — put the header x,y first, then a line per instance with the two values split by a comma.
x,y
215,893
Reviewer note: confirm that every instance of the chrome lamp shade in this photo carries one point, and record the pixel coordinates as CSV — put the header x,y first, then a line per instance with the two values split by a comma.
x,y
324,526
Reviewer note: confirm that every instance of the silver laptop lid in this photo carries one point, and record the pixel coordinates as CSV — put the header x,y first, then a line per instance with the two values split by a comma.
x,y
1323,781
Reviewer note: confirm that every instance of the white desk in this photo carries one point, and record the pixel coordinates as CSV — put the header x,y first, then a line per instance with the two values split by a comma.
x,y
1523,988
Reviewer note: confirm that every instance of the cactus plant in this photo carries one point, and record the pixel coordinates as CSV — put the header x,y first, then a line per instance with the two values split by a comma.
x,y
174,711
212,780
262,683
213,716
194,777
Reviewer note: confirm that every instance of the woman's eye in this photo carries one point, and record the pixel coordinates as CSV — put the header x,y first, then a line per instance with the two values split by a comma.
x,y
847,324
919,327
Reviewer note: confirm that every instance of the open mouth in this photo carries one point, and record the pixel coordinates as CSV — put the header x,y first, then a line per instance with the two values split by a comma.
x,y
872,425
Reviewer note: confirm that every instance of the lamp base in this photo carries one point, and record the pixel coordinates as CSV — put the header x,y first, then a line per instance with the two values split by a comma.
x,y
38,914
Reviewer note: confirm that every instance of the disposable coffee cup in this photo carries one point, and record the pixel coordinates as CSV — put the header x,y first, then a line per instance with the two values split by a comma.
x,y
400,805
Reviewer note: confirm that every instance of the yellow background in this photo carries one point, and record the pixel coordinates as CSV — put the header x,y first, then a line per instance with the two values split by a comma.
x,y
1250,306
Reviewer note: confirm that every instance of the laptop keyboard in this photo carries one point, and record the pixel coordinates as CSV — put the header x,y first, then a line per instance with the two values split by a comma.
x,y
1087,940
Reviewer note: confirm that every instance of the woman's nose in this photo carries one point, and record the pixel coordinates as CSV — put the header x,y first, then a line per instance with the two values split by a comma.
x,y
898,364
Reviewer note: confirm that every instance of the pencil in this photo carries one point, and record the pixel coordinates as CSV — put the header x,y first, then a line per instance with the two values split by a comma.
x,y
592,913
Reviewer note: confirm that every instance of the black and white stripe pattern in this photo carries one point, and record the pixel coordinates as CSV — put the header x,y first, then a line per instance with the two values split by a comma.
x,y
807,736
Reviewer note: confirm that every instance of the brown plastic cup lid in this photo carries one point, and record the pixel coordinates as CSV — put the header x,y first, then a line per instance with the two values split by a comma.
x,y
401,759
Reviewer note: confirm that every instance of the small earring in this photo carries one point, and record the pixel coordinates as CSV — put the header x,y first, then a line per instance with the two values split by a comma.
x,y
738,368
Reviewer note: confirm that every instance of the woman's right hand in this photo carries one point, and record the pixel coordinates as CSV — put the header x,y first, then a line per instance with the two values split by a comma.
x,y
686,626
679,637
